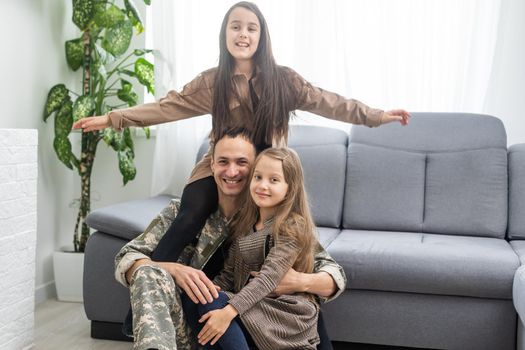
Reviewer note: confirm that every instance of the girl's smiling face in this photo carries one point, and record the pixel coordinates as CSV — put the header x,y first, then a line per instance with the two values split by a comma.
x,y
242,34
268,187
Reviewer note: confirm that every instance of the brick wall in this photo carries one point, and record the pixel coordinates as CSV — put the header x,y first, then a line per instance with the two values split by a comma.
x,y
18,185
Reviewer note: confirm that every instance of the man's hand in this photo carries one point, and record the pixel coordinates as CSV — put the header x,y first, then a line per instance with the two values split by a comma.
x,y
198,287
217,323
399,115
318,283
92,123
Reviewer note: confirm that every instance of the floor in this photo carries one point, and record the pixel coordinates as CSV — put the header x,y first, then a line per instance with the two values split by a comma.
x,y
60,325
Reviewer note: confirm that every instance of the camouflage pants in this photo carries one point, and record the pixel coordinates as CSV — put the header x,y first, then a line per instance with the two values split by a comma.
x,y
158,319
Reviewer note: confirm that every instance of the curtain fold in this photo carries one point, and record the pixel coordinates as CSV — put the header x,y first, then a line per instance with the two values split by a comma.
x,y
421,55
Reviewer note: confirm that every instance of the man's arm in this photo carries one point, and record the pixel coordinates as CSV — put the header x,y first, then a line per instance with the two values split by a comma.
x,y
327,281
143,245
198,287
138,251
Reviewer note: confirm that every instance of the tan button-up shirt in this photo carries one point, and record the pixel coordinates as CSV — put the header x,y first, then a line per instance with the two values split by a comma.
x,y
196,98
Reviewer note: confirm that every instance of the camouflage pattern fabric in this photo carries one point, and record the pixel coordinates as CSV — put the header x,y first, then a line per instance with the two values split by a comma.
x,y
158,319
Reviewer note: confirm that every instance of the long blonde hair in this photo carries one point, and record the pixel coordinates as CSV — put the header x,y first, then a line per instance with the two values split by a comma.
x,y
292,216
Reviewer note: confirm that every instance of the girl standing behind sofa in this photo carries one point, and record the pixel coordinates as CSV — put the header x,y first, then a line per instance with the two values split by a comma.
x,y
273,232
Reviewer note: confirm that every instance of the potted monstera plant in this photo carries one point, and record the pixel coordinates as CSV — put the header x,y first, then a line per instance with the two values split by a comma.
x,y
101,53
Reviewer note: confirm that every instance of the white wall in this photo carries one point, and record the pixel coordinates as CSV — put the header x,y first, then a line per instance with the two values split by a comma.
x,y
505,97
32,34
18,178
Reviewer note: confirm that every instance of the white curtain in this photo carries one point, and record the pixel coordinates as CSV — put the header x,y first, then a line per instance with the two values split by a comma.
x,y
421,55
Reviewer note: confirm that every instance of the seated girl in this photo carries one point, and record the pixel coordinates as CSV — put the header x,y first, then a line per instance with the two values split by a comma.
x,y
273,232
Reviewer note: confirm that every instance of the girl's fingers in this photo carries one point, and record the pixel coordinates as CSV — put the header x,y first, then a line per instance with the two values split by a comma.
x,y
206,336
216,338
204,317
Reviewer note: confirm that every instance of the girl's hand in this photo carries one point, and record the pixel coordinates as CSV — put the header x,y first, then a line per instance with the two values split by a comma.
x,y
399,115
92,123
217,323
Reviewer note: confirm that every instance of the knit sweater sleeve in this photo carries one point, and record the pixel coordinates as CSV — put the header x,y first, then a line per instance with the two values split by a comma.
x,y
279,260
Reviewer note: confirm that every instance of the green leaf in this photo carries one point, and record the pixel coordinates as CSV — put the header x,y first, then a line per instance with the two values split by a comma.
x,y
127,94
62,148
144,72
83,11
108,17
105,57
74,53
128,140
114,139
140,52
55,98
147,2
108,135
126,165
147,131
64,119
84,107
117,38
133,16
127,72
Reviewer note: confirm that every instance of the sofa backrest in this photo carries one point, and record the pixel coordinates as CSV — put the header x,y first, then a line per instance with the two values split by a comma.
x,y
323,157
444,173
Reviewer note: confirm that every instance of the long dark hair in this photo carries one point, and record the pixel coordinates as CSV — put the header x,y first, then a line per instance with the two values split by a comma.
x,y
278,96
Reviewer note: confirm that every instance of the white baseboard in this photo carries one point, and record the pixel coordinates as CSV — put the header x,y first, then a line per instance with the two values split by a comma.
x,y
45,291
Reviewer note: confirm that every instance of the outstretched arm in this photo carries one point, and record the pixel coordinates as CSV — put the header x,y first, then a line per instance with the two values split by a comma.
x,y
195,99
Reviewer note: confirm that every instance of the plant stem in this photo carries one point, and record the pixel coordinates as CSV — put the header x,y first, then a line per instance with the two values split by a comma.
x,y
87,156
111,72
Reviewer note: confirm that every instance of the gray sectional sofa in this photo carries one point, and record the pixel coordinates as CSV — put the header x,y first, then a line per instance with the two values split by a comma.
x,y
420,217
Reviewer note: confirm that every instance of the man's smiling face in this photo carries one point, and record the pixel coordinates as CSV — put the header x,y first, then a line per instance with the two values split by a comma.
x,y
231,164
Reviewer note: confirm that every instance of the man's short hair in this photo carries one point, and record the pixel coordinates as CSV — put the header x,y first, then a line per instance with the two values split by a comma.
x,y
233,132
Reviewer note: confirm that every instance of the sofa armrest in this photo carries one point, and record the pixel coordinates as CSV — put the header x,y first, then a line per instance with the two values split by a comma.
x,y
516,228
127,219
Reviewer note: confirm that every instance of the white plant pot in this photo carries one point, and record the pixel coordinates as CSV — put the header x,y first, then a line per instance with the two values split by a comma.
x,y
68,267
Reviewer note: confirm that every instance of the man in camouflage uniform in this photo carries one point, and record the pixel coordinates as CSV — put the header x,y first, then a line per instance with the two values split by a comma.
x,y
155,287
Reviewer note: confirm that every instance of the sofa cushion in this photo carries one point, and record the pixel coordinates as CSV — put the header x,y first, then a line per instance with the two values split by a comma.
x,y
128,219
516,156
445,174
324,176
323,153
466,193
426,263
384,189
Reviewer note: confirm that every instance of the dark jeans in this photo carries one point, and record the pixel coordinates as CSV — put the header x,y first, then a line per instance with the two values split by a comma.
x,y
192,312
